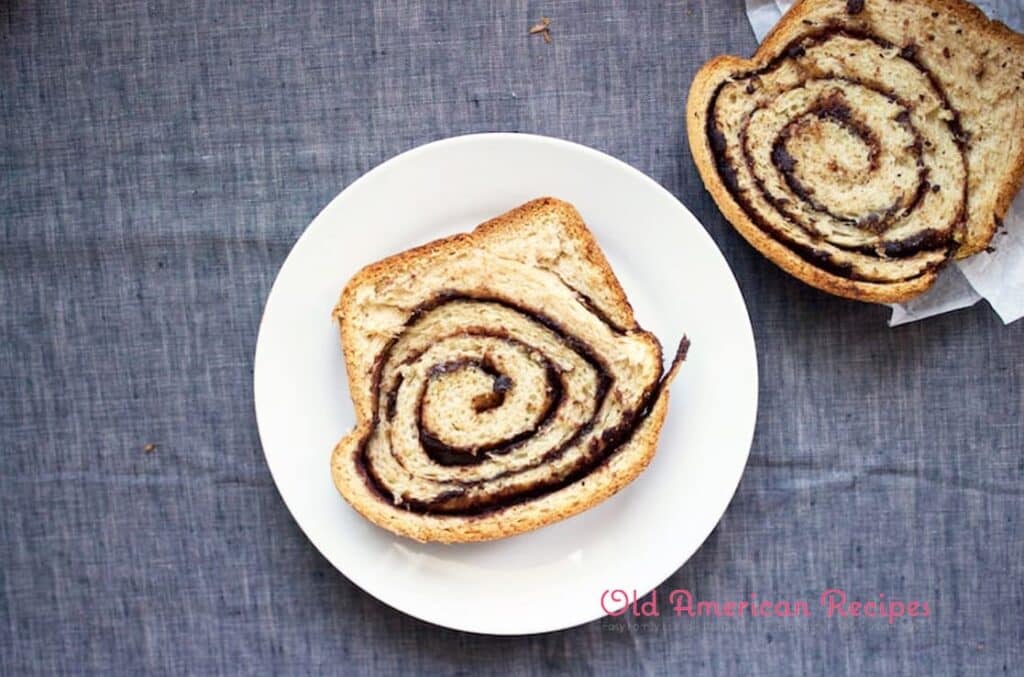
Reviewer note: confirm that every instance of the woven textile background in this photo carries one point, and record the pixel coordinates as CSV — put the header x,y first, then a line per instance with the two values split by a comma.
x,y
157,161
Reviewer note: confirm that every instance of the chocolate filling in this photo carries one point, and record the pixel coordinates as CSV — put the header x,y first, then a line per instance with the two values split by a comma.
x,y
443,454
840,113
458,498
836,109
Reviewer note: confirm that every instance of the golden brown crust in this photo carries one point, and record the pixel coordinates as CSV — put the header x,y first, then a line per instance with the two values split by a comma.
x,y
792,25
611,476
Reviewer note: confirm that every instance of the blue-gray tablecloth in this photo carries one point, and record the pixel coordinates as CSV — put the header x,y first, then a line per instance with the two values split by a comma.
x,y
158,161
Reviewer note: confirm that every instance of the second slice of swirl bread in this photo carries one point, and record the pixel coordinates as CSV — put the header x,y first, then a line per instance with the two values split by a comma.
x,y
867,142
500,381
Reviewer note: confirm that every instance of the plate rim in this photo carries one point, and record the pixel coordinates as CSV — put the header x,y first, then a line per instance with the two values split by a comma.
x,y
596,154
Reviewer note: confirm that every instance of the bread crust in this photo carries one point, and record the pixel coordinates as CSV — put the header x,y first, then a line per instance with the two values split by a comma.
x,y
624,465
789,28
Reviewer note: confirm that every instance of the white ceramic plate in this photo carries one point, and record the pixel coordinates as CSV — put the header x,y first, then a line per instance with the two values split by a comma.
x,y
675,278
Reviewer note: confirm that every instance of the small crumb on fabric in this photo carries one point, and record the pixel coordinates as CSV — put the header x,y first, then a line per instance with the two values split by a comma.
x,y
542,28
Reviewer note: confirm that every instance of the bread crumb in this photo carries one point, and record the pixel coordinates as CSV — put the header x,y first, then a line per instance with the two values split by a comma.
x,y
541,27
149,448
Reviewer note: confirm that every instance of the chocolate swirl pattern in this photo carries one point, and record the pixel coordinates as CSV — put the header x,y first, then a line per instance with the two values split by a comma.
x,y
500,380
842,152
858,169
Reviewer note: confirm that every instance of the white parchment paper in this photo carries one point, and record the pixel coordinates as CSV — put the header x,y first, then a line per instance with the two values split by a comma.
x,y
996,276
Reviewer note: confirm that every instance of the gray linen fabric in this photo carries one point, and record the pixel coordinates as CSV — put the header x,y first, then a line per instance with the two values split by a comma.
x,y
158,161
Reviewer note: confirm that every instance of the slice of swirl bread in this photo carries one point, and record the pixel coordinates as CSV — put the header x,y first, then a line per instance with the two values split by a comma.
x,y
499,379
867,142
